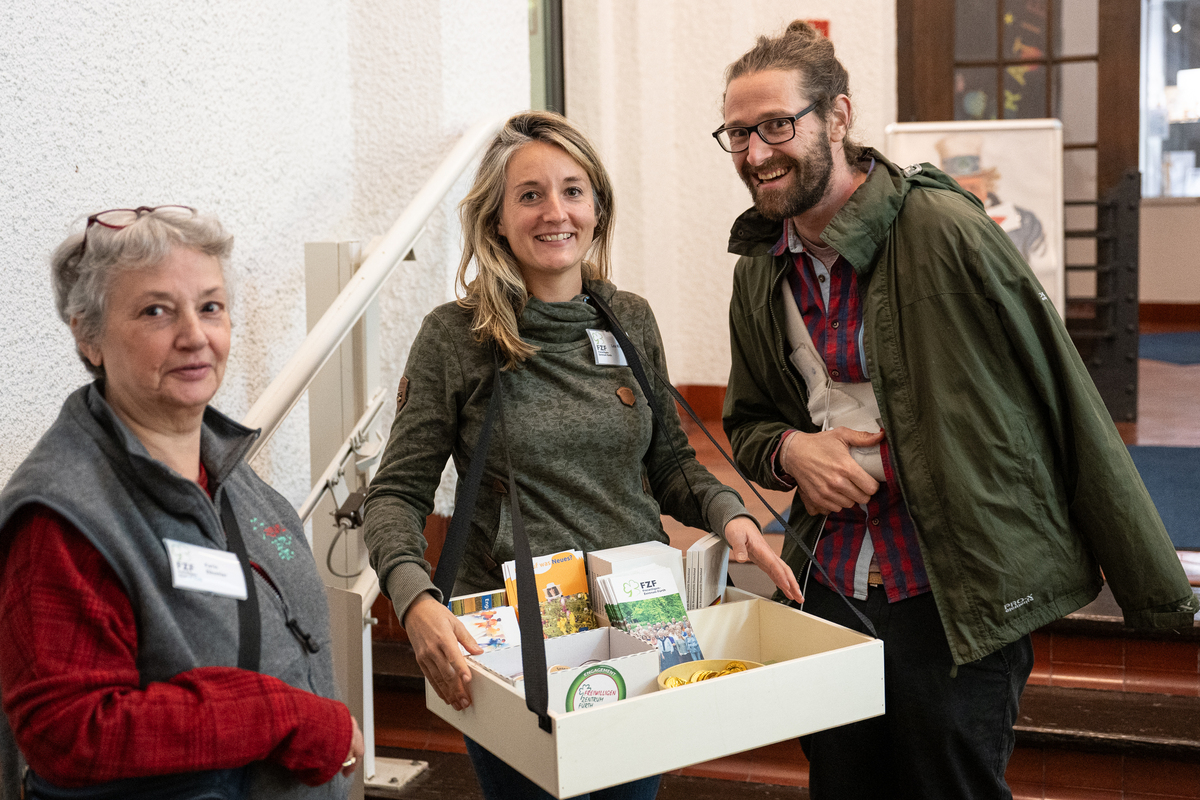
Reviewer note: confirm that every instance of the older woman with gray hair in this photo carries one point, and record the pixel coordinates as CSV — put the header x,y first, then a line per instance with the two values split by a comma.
x,y
165,628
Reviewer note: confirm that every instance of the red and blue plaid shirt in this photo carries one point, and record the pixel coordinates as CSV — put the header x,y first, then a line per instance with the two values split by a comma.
x,y
830,303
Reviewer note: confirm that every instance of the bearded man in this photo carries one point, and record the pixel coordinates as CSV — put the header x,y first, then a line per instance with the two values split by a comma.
x,y
956,473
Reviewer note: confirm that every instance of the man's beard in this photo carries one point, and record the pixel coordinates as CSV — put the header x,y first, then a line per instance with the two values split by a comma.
x,y
810,179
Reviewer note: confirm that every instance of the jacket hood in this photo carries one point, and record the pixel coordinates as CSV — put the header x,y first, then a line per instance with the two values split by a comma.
x,y
862,224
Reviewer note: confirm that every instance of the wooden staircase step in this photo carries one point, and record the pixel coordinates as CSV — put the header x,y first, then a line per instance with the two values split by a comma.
x,y
1103,617
1120,723
1092,649
396,668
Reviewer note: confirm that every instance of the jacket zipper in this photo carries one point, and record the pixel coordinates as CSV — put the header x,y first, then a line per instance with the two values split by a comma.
x,y
293,624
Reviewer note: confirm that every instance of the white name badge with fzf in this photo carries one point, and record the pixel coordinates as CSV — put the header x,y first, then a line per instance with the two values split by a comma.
x,y
606,349
202,569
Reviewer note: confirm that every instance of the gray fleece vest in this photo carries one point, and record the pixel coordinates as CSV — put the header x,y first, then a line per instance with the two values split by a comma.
x,y
93,471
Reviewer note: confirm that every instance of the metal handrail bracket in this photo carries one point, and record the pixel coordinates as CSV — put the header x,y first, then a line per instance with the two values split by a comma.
x,y
332,474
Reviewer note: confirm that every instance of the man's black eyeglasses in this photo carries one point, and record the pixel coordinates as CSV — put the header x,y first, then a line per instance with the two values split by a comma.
x,y
771,131
118,218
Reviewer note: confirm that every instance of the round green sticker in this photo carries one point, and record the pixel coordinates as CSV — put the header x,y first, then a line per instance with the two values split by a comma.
x,y
595,686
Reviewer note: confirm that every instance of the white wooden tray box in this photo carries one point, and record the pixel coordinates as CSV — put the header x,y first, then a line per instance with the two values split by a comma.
x,y
634,661
817,675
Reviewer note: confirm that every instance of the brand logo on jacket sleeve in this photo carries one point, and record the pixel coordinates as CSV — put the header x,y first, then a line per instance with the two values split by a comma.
x,y
1013,605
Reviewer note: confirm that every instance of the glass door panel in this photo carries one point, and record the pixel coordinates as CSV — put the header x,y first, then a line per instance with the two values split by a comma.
x,y
975,30
975,93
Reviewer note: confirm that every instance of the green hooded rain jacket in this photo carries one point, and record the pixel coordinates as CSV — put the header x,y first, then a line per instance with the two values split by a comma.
x,y
1016,477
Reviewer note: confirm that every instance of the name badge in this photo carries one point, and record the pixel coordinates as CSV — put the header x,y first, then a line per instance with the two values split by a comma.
x,y
202,569
606,349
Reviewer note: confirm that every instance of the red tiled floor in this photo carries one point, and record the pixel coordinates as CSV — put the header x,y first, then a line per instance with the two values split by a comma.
x,y
778,774
1087,676
782,764
1155,777
1042,642
402,720
1071,793
1186,684
1041,675
1041,658
1026,791
1160,655
1087,650
1026,766
731,768
1134,665
1083,770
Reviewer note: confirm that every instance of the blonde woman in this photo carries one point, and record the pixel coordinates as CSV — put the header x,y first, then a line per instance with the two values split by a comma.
x,y
595,470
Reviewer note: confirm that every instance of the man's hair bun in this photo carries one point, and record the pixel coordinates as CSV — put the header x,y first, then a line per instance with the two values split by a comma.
x,y
801,27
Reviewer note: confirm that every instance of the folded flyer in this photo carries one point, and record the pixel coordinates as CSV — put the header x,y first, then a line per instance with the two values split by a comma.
x,y
632,556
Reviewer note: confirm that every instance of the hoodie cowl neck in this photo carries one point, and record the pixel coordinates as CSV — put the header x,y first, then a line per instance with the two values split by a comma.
x,y
564,323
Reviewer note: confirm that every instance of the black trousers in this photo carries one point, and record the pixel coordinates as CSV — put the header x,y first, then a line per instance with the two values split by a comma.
x,y
946,734
499,781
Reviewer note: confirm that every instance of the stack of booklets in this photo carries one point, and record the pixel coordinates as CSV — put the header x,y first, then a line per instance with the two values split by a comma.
x,y
632,556
707,570
645,603
482,601
562,590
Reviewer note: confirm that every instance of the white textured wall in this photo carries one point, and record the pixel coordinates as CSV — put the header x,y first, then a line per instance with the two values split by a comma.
x,y
645,80
304,120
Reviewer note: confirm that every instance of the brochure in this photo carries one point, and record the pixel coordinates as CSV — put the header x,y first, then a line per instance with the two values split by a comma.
x,y
645,603
707,570
632,556
493,629
562,589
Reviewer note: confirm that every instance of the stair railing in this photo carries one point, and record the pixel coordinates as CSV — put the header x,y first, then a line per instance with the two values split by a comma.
x,y
281,396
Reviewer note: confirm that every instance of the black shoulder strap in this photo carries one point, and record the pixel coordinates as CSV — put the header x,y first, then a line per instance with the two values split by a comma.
x,y
533,646
635,364
249,622
464,508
